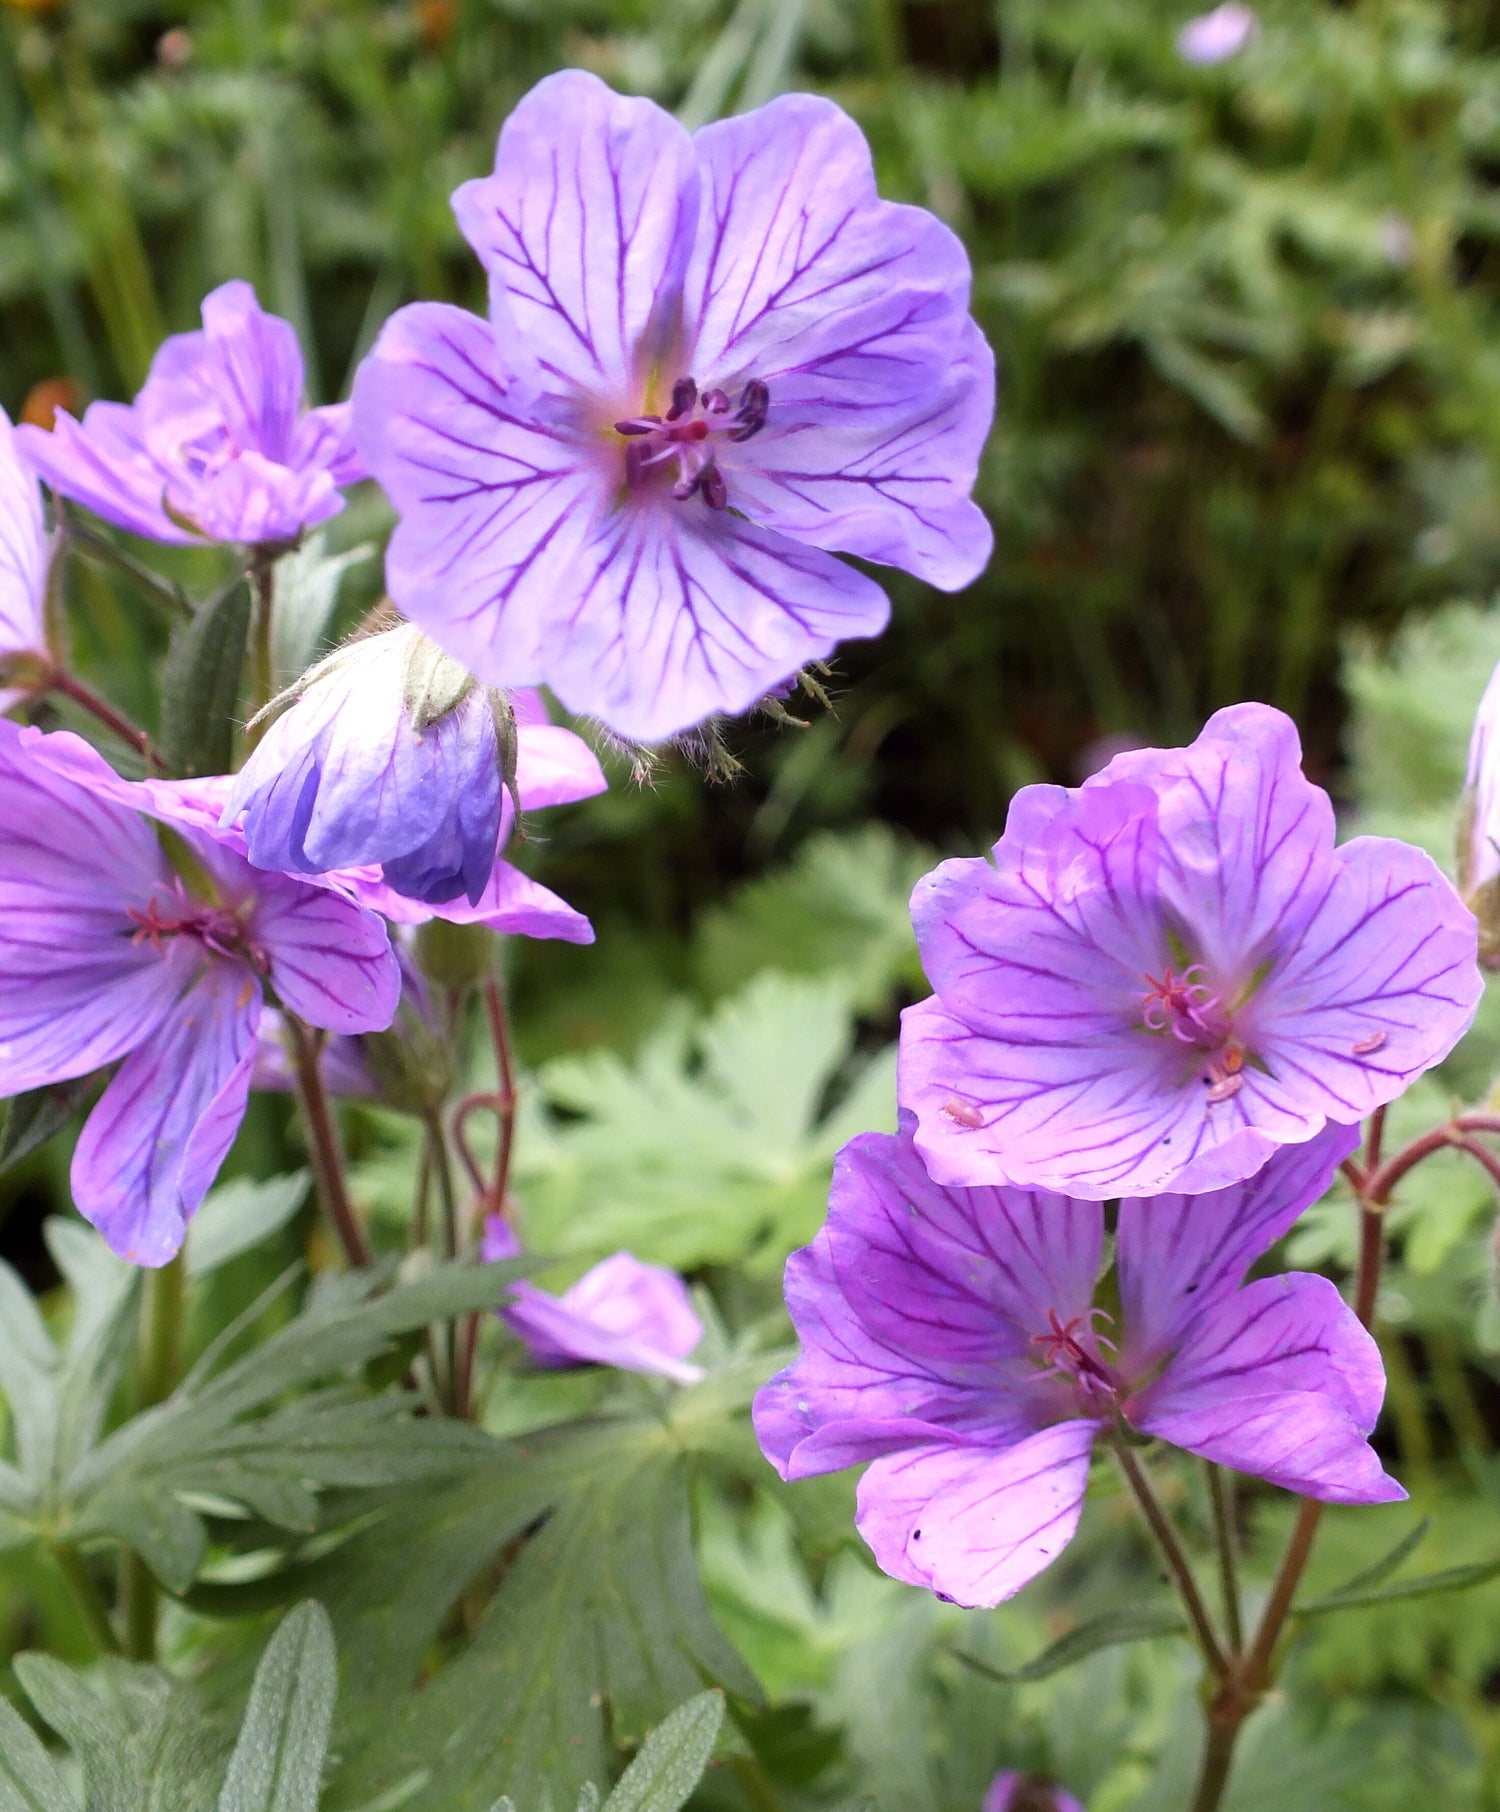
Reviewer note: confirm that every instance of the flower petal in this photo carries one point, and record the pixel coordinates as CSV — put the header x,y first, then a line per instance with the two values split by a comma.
x,y
584,231
1281,1382
24,554
331,961
913,1306
493,502
554,767
853,311
324,438
104,464
677,611
511,902
1181,1256
634,1316
253,499
971,1524
155,1141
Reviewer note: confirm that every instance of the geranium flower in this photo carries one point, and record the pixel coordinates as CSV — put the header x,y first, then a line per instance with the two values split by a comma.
x,y
633,1316
710,359
217,445
1014,1792
1169,972
394,756
1479,825
24,558
120,943
1216,36
951,1338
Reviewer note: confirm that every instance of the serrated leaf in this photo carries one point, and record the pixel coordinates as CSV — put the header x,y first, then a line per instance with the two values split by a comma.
x,y
277,1765
30,1120
1133,1623
1426,1585
671,1761
239,1215
201,683
29,1781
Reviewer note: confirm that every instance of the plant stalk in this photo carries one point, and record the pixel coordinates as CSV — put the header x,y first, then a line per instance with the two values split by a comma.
x,y
163,1300
1222,1508
325,1146
1178,1565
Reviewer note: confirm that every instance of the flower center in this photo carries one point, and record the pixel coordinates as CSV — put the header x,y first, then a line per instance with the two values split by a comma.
x,y
682,440
1071,1349
214,927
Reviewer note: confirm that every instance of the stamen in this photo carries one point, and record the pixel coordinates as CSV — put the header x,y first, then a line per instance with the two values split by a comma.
x,y
714,402
684,397
715,491
639,424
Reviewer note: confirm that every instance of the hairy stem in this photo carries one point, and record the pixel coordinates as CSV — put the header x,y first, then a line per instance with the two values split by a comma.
x,y
1176,1560
262,658
325,1145
163,1299
1220,1486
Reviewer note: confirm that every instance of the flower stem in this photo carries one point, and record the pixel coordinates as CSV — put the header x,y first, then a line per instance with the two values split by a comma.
x,y
163,1299
1220,1486
102,711
442,1168
1176,1560
503,1102
87,1596
324,1144
262,654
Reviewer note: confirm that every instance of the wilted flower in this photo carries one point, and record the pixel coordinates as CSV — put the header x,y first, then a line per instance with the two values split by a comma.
x,y
633,1316
711,358
216,446
1013,1792
153,943
1170,971
1215,37
394,756
951,1338
24,558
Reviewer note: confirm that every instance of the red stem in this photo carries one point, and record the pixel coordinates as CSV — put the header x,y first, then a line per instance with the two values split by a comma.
x,y
70,686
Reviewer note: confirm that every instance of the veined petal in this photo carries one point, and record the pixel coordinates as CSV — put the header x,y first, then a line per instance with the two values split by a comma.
x,y
324,438
554,767
634,1316
1380,985
914,1305
584,230
1180,1257
971,1524
253,365
676,614
103,463
24,554
331,961
511,902
1281,1382
254,499
155,1141
494,502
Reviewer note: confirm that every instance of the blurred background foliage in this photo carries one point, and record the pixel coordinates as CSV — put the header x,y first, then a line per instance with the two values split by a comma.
x,y
1246,319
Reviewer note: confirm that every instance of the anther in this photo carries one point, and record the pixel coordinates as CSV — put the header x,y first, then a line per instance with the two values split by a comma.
x,y
684,397
639,424
715,491
714,402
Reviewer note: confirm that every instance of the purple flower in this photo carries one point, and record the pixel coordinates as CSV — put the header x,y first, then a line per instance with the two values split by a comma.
x,y
634,1316
710,360
1216,36
217,445
122,942
24,558
1169,972
951,1338
394,756
1013,1792
1479,825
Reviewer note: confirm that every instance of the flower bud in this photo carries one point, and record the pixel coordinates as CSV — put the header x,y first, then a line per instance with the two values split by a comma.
x,y
454,956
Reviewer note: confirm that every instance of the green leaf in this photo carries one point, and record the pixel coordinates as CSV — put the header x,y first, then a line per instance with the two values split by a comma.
x,y
1133,1623
239,1215
201,683
30,1120
671,1761
29,1782
1388,1563
277,1764
308,581
1425,1585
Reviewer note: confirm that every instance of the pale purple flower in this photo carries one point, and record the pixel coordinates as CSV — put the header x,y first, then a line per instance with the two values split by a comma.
x,y
1215,37
711,360
1479,825
1169,972
1014,1792
951,1338
25,555
150,944
633,1316
393,756
218,444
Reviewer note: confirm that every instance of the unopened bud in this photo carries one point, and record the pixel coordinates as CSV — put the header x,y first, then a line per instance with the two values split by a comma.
x,y
433,684
454,956
25,671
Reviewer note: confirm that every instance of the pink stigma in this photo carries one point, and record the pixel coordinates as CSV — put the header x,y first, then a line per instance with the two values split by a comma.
x,y
1064,1350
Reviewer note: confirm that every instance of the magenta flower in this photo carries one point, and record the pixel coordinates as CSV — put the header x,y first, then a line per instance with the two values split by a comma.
x,y
1013,1792
1170,972
217,446
1215,37
951,1338
633,1316
711,360
24,558
120,944
394,756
